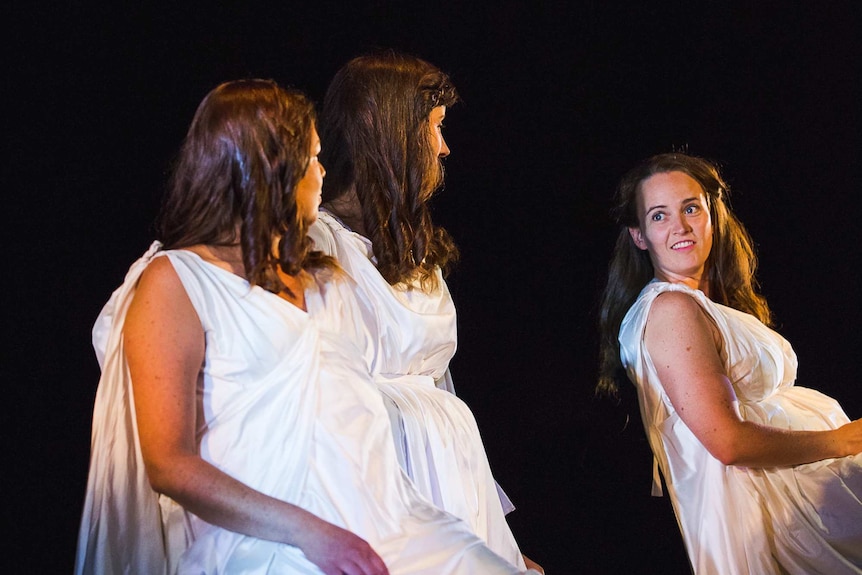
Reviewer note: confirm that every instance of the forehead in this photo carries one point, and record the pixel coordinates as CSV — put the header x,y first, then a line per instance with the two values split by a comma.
x,y
314,138
668,187
437,112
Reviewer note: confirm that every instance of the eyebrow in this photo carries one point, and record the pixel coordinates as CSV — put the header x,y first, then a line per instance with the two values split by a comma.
x,y
663,206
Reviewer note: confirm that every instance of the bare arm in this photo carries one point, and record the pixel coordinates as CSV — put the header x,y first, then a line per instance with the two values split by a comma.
x,y
164,343
682,342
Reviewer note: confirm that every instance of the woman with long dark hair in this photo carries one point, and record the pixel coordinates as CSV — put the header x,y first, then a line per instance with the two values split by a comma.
x,y
382,134
764,476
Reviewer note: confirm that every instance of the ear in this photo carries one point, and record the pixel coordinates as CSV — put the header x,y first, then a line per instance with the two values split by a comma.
x,y
638,238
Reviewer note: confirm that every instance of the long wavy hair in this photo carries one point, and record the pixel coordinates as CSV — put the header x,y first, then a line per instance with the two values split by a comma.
x,y
233,182
376,142
730,268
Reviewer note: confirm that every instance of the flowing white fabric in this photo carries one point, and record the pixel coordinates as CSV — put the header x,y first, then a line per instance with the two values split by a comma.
x,y
287,406
804,519
435,433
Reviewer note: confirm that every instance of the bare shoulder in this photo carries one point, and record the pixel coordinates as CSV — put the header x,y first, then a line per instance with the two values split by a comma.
x,y
160,293
159,279
676,318
675,306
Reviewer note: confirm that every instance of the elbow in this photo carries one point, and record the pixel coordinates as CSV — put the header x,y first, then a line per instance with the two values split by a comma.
x,y
164,478
173,472
727,451
728,457
159,480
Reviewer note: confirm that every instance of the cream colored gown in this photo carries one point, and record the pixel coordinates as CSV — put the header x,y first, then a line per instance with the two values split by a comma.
x,y
287,407
803,520
436,434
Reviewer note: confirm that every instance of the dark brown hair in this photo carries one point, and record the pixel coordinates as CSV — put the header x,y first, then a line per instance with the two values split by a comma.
x,y
730,267
376,141
234,180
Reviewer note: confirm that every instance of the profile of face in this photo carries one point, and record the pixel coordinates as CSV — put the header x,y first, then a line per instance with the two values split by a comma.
x,y
309,188
674,226
438,150
435,124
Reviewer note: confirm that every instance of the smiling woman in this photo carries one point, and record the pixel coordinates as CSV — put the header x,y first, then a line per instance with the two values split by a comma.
x,y
674,225
764,476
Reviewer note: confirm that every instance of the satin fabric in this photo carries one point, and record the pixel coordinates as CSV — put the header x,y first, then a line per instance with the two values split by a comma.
x,y
435,433
804,519
287,406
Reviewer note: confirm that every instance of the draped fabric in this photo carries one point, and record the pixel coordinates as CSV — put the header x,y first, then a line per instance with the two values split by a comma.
x,y
119,505
287,406
435,433
802,519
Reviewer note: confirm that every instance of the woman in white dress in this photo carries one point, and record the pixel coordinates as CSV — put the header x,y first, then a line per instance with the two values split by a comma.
x,y
381,128
236,426
764,476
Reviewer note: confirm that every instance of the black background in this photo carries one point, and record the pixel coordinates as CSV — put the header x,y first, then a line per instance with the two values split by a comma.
x,y
559,100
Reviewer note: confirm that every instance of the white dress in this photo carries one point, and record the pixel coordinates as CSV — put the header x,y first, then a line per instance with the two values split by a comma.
x,y
435,433
287,406
804,519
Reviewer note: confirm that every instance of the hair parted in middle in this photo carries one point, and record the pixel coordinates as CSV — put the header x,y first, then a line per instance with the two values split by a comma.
x,y
376,143
730,267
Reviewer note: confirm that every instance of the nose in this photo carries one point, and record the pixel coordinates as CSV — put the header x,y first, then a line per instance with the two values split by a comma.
x,y
444,148
322,170
681,225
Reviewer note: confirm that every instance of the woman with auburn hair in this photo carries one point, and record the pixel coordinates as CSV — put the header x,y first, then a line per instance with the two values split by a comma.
x,y
237,428
382,134
764,476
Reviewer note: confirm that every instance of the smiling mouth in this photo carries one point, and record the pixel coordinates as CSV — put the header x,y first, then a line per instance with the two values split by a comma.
x,y
681,245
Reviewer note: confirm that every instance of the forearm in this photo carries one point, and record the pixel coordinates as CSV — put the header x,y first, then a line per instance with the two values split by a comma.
x,y
226,502
755,445
223,501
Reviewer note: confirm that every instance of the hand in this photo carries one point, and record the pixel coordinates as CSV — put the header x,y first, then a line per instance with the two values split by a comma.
x,y
850,437
339,552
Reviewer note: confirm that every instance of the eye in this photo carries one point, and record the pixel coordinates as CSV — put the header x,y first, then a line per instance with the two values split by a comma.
x,y
657,216
692,209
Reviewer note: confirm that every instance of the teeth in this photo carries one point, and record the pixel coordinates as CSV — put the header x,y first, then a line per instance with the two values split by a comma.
x,y
682,245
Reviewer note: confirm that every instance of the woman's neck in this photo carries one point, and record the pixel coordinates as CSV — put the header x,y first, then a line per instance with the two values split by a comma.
x,y
230,258
295,284
700,282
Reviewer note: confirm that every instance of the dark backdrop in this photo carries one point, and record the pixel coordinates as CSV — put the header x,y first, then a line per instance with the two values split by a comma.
x,y
559,100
